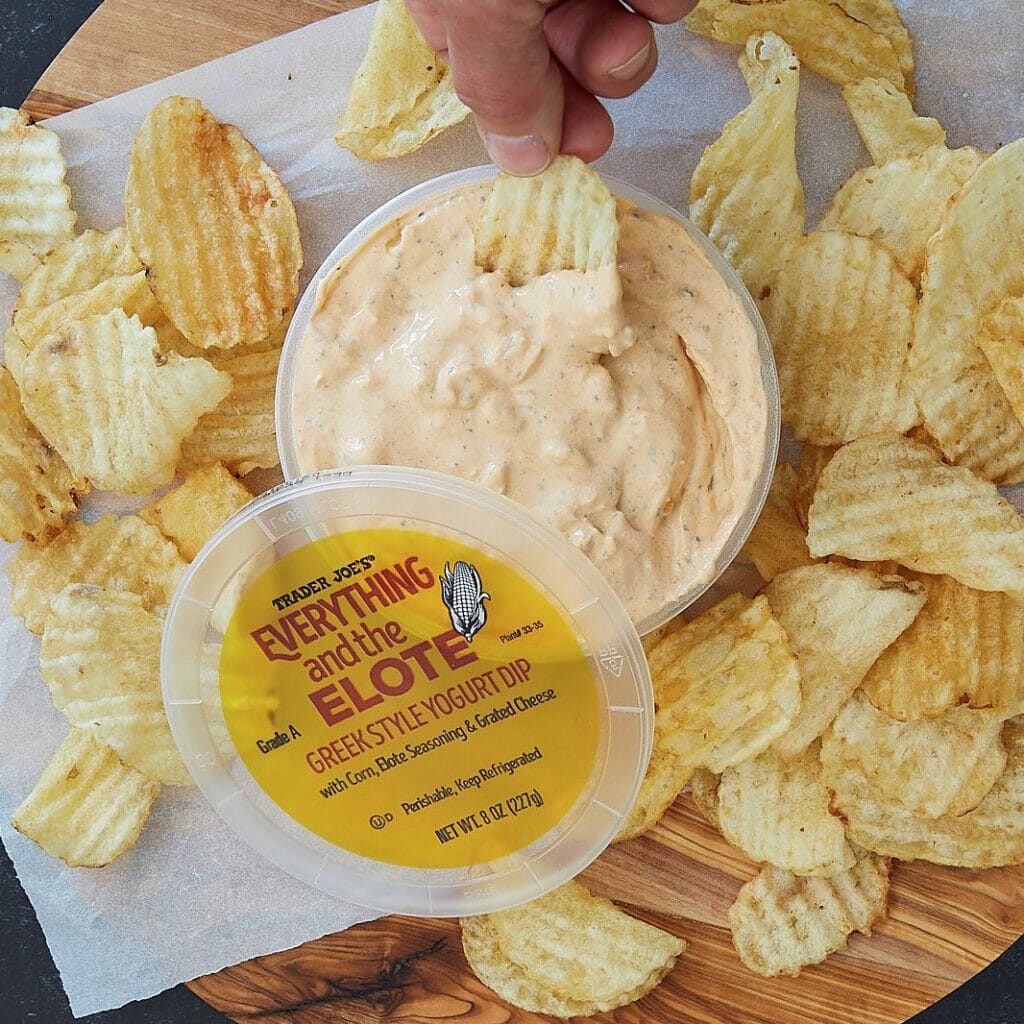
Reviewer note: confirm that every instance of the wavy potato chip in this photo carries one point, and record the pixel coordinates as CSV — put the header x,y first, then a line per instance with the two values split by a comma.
x,y
782,923
35,202
1001,339
562,219
568,953
100,659
887,121
87,807
120,553
777,812
213,225
194,510
828,37
704,790
841,318
745,193
402,95
901,204
992,835
37,489
932,768
778,542
15,352
966,647
18,260
114,407
892,498
813,460
838,621
972,265
667,773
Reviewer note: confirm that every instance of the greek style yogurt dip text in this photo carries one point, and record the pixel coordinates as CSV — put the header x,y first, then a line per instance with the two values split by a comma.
x,y
623,406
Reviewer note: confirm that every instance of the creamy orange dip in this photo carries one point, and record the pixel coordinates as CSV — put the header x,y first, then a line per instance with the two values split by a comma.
x,y
623,406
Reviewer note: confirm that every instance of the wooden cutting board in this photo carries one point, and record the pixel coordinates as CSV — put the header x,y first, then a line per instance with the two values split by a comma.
x,y
944,924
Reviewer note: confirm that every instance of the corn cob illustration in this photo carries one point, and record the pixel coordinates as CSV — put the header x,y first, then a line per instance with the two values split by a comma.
x,y
463,594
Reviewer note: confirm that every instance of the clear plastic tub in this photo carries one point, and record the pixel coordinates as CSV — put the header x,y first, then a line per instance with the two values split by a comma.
x,y
402,689
448,183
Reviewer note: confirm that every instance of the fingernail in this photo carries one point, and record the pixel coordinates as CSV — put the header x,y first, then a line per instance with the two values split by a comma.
x,y
522,155
632,67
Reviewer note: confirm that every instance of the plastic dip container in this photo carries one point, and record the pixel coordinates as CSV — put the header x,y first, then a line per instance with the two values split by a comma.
x,y
435,188
402,689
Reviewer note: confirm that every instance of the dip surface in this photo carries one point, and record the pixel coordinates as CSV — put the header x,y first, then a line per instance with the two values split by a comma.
x,y
624,406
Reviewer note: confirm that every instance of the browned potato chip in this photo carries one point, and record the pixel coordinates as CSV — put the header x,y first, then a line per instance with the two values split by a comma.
x,y
37,490
844,41
745,193
87,807
838,620
100,658
812,461
901,204
213,225
114,407
18,260
1001,338
194,510
841,318
931,768
563,219
966,647
568,953
972,265
782,923
890,497
887,121
778,542
777,812
119,553
402,95
991,835
35,203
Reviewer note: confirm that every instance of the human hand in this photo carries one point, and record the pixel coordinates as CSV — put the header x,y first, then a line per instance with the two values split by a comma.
x,y
531,70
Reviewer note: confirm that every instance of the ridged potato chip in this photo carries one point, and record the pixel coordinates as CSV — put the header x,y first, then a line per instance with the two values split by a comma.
x,y
901,204
18,260
121,553
828,37
726,687
838,620
35,202
1001,339
667,773
213,225
777,812
37,489
563,219
568,953
704,790
889,497
77,265
972,266
114,407
745,193
887,121
402,95
841,317
194,510
87,807
812,461
932,768
966,647
782,923
100,659
14,354
778,542
992,835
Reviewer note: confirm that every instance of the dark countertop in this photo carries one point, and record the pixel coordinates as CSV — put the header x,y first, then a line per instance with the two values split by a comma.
x,y
31,34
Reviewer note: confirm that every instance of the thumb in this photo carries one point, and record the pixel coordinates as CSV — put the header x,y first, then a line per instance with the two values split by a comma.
x,y
504,72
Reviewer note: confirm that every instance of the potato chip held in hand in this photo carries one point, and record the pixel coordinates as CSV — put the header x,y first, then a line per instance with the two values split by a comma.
x,y
213,225
114,406
87,807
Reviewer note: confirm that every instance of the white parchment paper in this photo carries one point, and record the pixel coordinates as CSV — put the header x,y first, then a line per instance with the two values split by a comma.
x,y
190,898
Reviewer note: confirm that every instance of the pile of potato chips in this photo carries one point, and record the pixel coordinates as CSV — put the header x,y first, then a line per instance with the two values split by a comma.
x,y
134,356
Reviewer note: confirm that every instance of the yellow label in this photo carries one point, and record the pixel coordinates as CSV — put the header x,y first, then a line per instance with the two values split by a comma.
x,y
410,698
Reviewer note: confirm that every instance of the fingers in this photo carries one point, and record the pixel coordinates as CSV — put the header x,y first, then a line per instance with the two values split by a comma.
x,y
663,11
503,70
430,22
587,131
608,50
